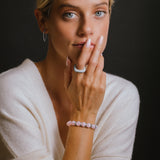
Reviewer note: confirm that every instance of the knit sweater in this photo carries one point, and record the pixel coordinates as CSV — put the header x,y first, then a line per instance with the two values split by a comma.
x,y
29,128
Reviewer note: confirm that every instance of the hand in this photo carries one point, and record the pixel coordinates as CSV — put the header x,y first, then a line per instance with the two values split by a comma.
x,y
86,90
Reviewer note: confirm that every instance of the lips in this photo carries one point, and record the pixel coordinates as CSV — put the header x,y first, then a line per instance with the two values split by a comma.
x,y
81,44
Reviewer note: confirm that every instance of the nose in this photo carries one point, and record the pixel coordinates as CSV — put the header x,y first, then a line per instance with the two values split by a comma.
x,y
85,27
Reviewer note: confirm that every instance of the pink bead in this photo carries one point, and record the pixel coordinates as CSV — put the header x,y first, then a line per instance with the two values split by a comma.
x,y
93,126
73,123
69,123
78,123
83,124
88,125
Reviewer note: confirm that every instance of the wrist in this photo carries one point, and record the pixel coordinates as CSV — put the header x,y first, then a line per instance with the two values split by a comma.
x,y
83,117
81,124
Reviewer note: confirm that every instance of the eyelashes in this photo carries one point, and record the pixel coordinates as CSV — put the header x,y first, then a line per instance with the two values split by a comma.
x,y
69,15
72,15
100,13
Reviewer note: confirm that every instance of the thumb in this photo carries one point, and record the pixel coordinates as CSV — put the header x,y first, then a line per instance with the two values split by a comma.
x,y
67,73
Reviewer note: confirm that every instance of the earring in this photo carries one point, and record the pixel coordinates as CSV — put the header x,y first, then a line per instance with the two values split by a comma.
x,y
44,36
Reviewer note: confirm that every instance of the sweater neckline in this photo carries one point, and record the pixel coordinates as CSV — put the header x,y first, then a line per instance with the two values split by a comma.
x,y
41,79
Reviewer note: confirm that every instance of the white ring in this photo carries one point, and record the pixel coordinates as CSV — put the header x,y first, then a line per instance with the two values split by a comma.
x,y
79,70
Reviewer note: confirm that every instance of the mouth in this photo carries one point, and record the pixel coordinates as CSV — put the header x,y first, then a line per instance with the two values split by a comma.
x,y
81,44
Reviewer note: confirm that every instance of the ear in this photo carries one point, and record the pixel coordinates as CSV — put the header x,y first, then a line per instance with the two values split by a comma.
x,y
41,20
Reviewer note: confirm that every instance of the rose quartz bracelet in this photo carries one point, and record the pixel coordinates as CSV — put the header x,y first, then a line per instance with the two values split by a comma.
x,y
81,124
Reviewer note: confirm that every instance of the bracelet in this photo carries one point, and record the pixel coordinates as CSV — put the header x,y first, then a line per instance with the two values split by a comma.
x,y
81,124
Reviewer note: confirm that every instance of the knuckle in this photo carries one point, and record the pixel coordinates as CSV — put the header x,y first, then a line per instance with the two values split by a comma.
x,y
86,83
104,76
99,49
80,64
102,88
94,87
93,63
102,58
99,66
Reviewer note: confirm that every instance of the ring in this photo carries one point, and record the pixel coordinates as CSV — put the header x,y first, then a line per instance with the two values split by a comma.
x,y
79,70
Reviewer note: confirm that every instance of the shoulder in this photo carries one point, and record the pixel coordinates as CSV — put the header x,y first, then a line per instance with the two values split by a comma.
x,y
116,81
15,81
20,113
120,87
17,92
121,100
117,119
17,76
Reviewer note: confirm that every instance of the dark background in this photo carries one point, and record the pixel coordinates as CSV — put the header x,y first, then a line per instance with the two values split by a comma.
x,y
132,52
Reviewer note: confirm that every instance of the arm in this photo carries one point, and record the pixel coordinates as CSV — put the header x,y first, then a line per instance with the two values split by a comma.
x,y
86,92
79,141
117,122
20,133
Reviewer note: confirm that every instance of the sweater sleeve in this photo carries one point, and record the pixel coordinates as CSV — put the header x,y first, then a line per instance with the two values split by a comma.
x,y
20,135
117,125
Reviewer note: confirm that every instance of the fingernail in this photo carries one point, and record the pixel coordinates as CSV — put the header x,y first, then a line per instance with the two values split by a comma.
x,y
88,43
101,40
67,61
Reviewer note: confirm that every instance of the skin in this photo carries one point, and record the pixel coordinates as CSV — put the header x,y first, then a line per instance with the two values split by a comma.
x,y
75,96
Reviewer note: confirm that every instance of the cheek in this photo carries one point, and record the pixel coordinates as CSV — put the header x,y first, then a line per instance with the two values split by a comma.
x,y
62,32
58,35
104,31
62,36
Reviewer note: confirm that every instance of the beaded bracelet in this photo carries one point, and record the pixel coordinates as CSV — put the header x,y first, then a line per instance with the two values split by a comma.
x,y
81,124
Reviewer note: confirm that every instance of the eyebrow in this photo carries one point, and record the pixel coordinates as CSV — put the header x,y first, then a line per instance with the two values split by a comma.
x,y
103,3
72,6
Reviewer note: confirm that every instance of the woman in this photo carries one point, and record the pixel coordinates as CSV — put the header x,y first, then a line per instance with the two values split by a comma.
x,y
66,107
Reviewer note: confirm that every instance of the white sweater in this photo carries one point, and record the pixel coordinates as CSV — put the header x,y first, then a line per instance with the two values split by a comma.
x,y
28,125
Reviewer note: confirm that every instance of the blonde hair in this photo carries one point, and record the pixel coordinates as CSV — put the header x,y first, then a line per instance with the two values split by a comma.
x,y
45,5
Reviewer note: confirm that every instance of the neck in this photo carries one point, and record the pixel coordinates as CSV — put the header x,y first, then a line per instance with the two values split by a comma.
x,y
52,72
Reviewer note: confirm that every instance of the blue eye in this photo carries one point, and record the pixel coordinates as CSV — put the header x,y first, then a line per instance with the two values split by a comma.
x,y
69,15
100,13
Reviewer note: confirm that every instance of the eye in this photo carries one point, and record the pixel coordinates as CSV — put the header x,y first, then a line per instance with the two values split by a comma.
x,y
69,15
100,13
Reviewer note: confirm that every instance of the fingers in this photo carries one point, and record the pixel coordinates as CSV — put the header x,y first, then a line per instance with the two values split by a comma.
x,y
103,80
100,66
85,55
89,56
99,74
67,73
82,60
94,60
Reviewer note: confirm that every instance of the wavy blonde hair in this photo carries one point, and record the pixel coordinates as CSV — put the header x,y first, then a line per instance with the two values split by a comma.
x,y
45,5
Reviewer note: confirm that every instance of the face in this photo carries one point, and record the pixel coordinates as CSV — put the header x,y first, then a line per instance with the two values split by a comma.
x,y
72,22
